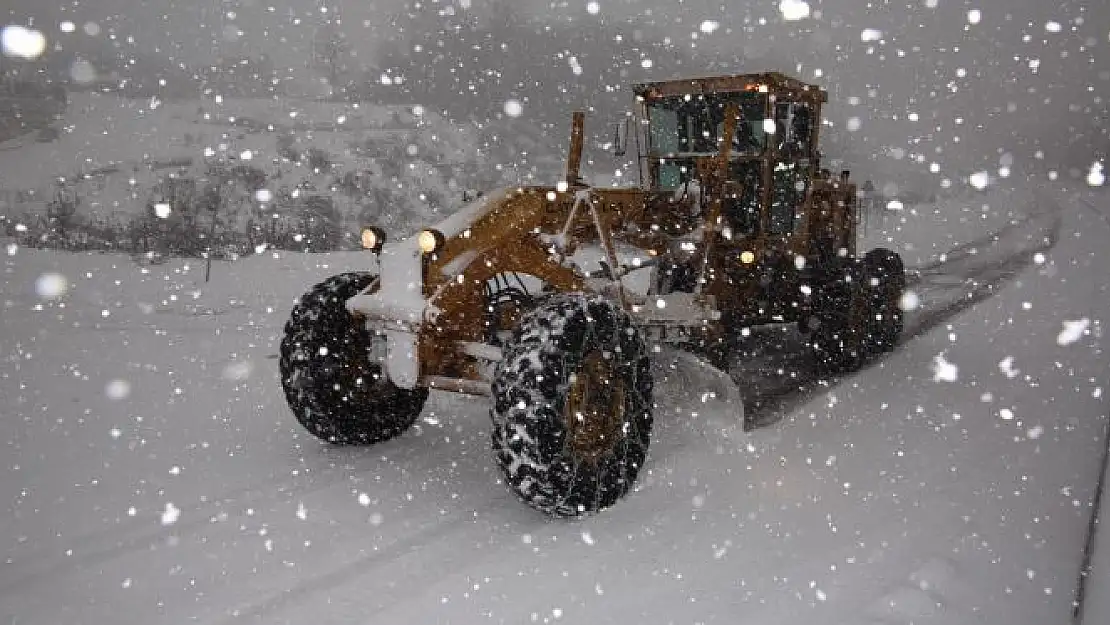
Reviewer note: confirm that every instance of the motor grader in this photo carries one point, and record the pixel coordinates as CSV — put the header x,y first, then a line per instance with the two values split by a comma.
x,y
551,299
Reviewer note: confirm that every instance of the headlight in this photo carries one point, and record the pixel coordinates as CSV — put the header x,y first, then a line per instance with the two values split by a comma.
x,y
747,257
430,241
373,239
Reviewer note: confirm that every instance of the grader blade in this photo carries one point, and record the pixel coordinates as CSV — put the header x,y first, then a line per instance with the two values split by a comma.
x,y
706,388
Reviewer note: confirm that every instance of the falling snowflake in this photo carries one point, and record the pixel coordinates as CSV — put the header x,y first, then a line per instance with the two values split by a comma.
x,y
513,108
22,42
944,371
980,180
1095,177
1073,331
794,10
870,34
51,285
974,15
170,514
709,26
1007,367
909,301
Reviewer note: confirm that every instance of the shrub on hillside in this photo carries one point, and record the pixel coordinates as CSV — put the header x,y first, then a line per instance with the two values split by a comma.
x,y
317,159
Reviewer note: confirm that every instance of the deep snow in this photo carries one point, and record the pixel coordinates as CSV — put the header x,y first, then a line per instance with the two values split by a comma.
x,y
152,473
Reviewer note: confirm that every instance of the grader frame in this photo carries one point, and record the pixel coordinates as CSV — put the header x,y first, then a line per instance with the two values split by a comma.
x,y
735,224
531,230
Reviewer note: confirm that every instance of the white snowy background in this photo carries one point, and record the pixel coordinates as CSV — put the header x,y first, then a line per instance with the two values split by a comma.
x,y
151,473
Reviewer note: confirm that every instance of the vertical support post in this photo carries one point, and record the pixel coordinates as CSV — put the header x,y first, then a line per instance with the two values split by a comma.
x,y
770,158
640,121
716,191
574,159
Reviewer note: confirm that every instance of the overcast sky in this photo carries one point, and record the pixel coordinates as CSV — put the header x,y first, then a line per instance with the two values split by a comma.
x,y
1000,79
200,28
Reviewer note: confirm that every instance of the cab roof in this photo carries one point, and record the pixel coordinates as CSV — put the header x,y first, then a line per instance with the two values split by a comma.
x,y
768,82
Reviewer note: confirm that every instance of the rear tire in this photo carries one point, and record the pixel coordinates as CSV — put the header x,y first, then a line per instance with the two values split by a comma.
x,y
886,282
572,402
332,383
840,341
860,314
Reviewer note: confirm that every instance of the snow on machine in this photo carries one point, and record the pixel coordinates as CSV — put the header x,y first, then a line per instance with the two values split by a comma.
x,y
550,300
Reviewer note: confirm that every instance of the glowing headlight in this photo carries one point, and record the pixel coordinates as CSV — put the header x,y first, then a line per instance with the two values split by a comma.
x,y
373,239
747,257
430,241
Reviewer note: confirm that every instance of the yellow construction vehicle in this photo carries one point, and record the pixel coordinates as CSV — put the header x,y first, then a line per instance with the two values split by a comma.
x,y
550,299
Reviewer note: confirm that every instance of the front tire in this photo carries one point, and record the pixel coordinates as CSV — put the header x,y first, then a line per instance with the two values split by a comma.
x,y
572,401
333,383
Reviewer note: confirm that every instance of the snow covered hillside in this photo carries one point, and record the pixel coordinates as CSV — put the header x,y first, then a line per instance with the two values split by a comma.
x,y
153,474
393,166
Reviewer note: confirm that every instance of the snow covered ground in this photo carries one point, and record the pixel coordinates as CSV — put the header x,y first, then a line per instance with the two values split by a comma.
x,y
152,473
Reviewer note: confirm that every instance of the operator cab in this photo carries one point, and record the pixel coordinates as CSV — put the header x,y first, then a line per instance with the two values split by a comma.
x,y
772,155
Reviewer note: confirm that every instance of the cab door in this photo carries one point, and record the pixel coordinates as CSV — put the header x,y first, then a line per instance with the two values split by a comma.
x,y
793,156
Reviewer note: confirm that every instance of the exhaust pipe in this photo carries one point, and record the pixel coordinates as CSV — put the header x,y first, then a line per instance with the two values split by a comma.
x,y
574,160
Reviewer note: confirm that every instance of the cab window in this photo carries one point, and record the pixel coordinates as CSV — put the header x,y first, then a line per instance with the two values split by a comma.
x,y
694,124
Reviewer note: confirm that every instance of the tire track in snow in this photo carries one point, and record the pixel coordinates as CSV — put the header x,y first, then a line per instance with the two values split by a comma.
x,y
403,580
143,532
777,376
